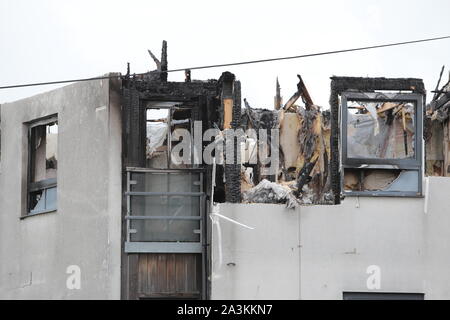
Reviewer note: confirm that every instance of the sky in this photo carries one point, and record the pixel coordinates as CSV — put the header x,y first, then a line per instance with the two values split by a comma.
x,y
48,40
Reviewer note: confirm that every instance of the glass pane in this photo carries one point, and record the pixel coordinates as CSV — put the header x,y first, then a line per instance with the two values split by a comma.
x,y
37,201
166,182
50,199
380,130
165,230
165,206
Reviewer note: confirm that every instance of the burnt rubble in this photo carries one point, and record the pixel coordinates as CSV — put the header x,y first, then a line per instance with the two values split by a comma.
x,y
302,177
437,131
365,144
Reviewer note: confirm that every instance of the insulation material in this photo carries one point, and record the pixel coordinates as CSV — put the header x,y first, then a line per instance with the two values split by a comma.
x,y
351,180
156,137
289,143
311,169
368,180
270,192
377,138
378,179
246,178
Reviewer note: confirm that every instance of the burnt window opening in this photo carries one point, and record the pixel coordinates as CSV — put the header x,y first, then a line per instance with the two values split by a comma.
x,y
381,144
380,130
42,166
164,122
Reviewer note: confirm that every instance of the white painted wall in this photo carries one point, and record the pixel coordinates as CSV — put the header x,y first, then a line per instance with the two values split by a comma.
x,y
318,252
86,228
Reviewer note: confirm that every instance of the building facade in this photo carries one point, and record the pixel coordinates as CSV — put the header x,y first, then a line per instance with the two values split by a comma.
x,y
94,206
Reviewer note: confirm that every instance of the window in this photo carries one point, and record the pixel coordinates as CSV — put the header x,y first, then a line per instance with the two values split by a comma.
x,y
42,165
165,211
164,121
381,143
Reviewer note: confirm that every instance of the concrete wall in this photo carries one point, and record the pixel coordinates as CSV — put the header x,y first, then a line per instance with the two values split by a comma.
x,y
86,228
319,252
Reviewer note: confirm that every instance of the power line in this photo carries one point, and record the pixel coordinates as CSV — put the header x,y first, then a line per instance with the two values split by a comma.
x,y
314,54
56,82
239,63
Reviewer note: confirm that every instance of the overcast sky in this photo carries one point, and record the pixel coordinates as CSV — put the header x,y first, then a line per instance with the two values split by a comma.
x,y
45,40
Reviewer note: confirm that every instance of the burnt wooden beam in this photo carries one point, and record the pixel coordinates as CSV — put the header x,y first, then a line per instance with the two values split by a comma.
x,y
155,59
437,104
370,84
304,177
292,100
437,85
301,92
187,75
304,93
277,99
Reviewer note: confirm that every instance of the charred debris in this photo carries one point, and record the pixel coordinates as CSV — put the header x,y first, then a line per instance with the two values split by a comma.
x,y
302,176
437,131
365,144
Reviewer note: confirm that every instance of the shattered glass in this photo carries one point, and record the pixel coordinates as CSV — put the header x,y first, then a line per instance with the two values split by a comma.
x,y
380,130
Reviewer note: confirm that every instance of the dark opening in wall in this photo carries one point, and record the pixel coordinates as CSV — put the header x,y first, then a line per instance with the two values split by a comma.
x,y
42,165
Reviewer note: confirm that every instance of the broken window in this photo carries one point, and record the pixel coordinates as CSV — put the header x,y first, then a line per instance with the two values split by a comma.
x,y
381,154
42,165
164,200
380,130
164,121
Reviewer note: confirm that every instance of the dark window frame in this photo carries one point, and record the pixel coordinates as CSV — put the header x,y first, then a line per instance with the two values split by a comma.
x,y
414,164
41,185
158,104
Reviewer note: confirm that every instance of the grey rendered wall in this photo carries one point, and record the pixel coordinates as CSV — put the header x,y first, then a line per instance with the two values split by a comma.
x,y
85,230
262,263
318,252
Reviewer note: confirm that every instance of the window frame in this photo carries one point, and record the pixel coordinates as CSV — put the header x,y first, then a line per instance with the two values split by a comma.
x,y
414,164
177,246
170,106
41,185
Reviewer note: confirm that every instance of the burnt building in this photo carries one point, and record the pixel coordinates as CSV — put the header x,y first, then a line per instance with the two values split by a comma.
x,y
136,187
